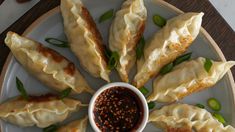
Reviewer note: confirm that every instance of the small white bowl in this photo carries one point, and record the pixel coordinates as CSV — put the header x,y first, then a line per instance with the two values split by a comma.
x,y
119,84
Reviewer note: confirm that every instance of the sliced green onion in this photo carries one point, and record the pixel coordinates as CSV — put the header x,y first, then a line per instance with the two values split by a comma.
x,y
207,64
159,20
219,117
167,68
144,90
107,52
51,128
140,48
57,42
182,58
151,105
107,15
214,104
21,89
200,106
113,60
65,93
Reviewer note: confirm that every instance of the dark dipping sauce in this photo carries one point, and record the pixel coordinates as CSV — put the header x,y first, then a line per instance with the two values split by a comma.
x,y
118,109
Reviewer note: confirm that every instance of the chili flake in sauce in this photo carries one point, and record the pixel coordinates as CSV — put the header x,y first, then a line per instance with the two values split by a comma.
x,y
118,109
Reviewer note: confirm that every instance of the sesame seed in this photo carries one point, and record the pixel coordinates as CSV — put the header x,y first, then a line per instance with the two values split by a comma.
x,y
118,109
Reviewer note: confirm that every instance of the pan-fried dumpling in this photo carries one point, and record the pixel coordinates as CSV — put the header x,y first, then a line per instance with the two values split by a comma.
x,y
85,39
186,118
47,65
125,32
187,78
166,45
75,126
41,111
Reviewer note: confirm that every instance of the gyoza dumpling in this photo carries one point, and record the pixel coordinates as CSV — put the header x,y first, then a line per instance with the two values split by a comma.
x,y
84,38
186,118
166,45
75,126
41,111
125,32
47,65
187,78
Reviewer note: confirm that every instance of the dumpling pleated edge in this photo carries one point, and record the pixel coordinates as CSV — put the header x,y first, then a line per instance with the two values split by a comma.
x,y
191,77
124,40
186,117
166,45
47,65
85,39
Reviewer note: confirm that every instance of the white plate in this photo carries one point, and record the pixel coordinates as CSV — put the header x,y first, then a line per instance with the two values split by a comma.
x,y
50,25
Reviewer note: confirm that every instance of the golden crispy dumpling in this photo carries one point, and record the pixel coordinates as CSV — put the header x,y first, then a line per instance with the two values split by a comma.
x,y
41,111
186,118
84,38
47,65
166,45
125,32
75,126
187,78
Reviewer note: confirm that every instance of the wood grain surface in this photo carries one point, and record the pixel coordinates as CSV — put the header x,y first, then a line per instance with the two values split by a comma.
x,y
213,22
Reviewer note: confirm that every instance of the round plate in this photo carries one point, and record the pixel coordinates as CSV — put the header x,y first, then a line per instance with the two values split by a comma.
x,y
50,25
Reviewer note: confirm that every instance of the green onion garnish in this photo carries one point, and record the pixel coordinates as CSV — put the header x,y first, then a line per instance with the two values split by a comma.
x,y
140,48
214,104
182,58
107,15
107,52
207,64
151,105
200,106
57,42
51,128
144,90
167,68
21,89
159,20
65,93
113,60
219,117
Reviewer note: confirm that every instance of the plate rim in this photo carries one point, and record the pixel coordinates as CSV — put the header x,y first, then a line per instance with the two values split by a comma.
x,y
26,32
161,2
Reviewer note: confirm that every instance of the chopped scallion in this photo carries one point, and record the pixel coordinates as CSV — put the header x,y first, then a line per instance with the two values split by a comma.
x,y
107,52
214,104
219,117
159,20
140,48
107,15
207,65
51,128
144,90
182,58
57,42
200,106
151,105
167,68
113,60
65,93
21,89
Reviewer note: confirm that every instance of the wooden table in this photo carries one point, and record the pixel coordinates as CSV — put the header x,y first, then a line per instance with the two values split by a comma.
x,y
217,27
